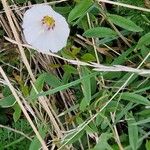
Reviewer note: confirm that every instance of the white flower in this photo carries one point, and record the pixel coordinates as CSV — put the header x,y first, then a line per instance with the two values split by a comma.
x,y
45,29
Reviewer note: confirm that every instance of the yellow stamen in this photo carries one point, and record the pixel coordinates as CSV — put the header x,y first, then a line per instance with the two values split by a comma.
x,y
48,21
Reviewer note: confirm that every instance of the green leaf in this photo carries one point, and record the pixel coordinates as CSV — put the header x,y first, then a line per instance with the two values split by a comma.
x,y
86,87
100,32
83,104
103,142
79,10
143,121
39,1
63,10
143,41
63,87
144,52
144,113
66,77
21,1
35,144
136,98
91,128
52,80
71,137
75,51
6,91
39,83
70,69
124,78
110,39
123,112
75,134
17,112
67,54
124,23
104,124
45,77
147,145
123,57
8,101
133,132
88,57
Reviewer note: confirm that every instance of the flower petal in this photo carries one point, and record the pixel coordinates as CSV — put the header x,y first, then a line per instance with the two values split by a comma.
x,y
32,33
38,35
35,14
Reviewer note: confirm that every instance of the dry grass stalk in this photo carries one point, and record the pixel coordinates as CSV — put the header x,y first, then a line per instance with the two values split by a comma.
x,y
42,100
93,41
116,132
23,109
13,7
117,31
5,26
13,28
124,5
97,67
100,50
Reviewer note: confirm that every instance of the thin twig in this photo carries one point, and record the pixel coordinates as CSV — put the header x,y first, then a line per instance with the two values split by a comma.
x,y
21,8
117,31
116,132
124,5
43,102
93,41
96,67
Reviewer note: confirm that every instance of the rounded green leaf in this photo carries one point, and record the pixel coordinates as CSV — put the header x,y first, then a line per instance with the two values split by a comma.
x,y
79,10
144,41
8,101
124,23
88,57
100,32
136,98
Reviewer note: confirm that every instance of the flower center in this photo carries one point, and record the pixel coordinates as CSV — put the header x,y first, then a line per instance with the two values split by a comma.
x,y
49,22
